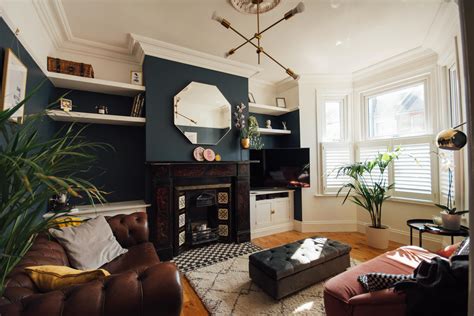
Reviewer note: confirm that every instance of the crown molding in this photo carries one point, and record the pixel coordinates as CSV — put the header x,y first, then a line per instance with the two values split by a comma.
x,y
419,56
445,27
156,48
54,19
265,84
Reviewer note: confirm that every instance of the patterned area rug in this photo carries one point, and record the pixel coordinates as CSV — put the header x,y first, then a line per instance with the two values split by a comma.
x,y
211,254
225,288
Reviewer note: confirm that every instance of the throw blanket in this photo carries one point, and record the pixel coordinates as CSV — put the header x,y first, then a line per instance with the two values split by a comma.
x,y
440,287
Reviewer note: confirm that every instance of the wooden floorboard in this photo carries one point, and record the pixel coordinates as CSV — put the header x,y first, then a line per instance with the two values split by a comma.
x,y
193,306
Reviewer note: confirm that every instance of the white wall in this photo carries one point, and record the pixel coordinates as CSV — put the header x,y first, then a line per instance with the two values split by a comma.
x,y
320,213
263,92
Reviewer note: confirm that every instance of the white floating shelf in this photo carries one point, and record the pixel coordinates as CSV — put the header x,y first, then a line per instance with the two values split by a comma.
x,y
94,118
267,109
94,85
106,209
272,131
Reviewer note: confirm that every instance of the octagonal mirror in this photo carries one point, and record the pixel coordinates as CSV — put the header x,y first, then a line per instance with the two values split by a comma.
x,y
202,113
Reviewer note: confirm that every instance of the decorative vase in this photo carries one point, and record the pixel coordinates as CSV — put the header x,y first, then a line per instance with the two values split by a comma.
x,y
245,142
451,221
378,237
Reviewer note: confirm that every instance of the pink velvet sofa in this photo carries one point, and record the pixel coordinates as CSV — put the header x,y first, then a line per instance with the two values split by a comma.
x,y
344,295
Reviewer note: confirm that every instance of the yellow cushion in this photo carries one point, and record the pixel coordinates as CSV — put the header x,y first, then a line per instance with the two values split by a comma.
x,y
49,278
66,221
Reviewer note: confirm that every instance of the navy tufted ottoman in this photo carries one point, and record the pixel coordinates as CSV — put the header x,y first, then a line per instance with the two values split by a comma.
x,y
287,269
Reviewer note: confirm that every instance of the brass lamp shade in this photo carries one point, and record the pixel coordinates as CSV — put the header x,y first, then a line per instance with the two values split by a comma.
x,y
451,139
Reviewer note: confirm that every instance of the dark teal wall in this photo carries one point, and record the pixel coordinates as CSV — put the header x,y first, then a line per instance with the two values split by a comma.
x,y
120,172
292,120
163,80
35,76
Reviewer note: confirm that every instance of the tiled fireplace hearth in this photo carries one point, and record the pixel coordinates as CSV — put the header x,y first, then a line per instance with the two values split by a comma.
x,y
196,203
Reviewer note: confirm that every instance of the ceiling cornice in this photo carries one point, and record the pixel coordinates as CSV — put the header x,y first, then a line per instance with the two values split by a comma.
x,y
441,34
54,19
156,48
418,56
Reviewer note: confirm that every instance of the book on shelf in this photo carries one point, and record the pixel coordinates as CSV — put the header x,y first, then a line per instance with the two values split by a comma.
x,y
137,106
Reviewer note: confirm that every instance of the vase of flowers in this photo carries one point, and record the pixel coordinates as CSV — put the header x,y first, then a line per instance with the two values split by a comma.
x,y
450,216
241,125
368,188
249,134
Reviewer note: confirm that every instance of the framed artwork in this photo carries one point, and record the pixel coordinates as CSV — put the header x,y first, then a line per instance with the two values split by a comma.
x,y
136,77
281,102
14,84
251,98
65,104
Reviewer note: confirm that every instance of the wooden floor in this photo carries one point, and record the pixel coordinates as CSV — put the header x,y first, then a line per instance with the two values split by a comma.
x,y
360,251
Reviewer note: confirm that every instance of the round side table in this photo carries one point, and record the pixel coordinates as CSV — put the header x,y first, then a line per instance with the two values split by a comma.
x,y
419,225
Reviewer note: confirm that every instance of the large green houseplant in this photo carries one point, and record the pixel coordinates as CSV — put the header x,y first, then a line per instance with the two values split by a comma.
x,y
368,188
33,169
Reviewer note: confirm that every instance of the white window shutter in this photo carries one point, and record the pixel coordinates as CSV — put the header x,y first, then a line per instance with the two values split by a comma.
x,y
412,172
334,156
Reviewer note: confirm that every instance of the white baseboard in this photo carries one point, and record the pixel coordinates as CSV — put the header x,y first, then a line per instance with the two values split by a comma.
x,y
430,242
326,226
275,229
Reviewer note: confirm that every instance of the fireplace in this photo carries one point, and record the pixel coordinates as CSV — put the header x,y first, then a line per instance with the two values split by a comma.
x,y
193,204
203,214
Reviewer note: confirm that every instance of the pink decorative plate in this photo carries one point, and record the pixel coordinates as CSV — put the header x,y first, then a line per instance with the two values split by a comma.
x,y
198,153
209,155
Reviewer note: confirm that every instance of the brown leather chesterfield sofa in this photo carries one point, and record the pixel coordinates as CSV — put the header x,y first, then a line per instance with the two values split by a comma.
x,y
345,296
139,283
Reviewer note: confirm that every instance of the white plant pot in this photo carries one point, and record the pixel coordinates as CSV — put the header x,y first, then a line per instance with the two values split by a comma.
x,y
378,237
451,221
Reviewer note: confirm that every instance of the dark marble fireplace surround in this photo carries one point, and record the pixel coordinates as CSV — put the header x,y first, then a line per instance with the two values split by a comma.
x,y
175,187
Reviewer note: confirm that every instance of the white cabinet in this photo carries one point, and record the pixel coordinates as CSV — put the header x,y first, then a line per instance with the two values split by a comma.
x,y
271,212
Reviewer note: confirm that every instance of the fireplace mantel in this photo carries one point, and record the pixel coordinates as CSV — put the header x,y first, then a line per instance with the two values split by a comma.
x,y
165,179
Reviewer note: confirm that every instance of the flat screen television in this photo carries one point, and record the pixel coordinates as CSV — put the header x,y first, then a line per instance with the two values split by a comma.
x,y
280,168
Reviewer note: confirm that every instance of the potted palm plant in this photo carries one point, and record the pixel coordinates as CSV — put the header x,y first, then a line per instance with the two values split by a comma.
x,y
33,169
450,216
369,188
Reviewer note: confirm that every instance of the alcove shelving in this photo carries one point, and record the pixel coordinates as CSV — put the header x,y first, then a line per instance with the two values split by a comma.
x,y
95,118
94,85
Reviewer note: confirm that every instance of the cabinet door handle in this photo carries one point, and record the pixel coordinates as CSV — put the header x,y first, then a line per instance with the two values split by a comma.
x,y
273,212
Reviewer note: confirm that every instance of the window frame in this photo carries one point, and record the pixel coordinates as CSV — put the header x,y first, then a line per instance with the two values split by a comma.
x,y
410,82
343,116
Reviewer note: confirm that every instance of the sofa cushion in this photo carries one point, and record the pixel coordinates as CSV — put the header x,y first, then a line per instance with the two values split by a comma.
x,y
286,260
49,278
138,259
400,261
89,245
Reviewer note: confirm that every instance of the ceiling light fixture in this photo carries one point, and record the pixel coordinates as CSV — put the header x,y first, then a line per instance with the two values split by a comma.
x,y
249,8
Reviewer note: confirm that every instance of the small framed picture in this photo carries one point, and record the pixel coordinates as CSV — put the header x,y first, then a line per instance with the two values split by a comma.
x,y
281,102
65,104
136,78
251,98
14,85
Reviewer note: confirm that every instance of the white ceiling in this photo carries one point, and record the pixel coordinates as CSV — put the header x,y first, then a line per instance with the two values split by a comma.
x,y
331,36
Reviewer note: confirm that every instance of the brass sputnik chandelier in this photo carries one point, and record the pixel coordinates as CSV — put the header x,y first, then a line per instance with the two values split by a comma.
x,y
261,6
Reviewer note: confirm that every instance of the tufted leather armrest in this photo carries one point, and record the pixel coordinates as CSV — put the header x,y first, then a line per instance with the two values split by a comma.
x,y
130,230
155,291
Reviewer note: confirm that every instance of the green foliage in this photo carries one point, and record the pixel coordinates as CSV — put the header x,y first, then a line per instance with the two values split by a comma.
x,y
32,171
254,134
365,189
